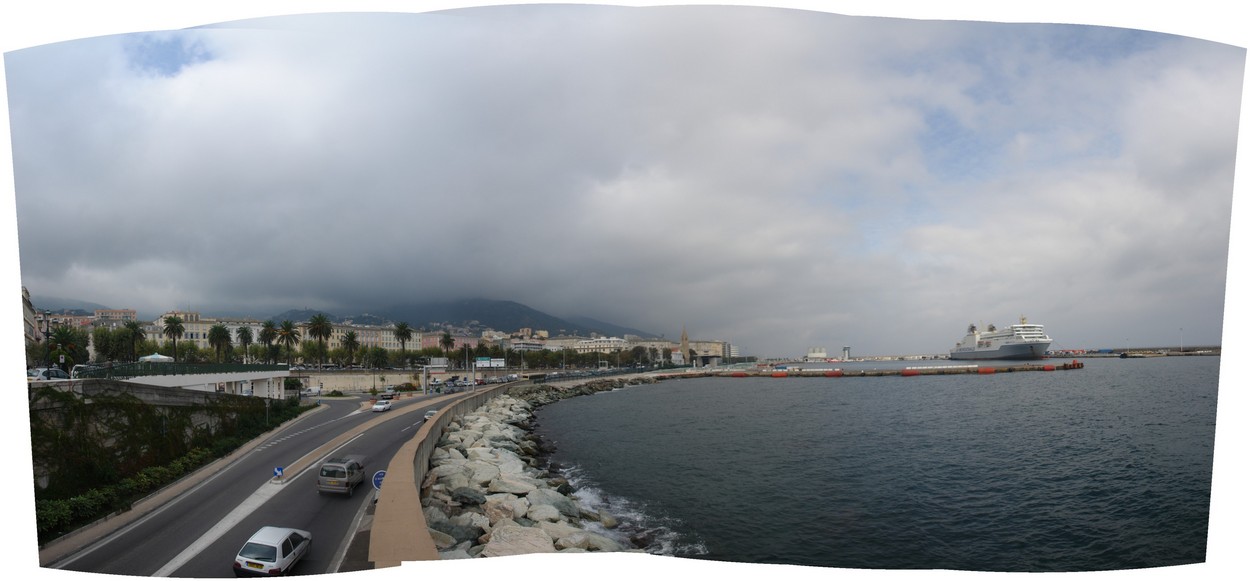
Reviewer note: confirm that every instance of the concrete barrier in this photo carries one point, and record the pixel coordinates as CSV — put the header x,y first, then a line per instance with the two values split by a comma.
x,y
399,532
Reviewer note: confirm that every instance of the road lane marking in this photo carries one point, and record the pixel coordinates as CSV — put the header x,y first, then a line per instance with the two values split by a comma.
x,y
253,502
257,499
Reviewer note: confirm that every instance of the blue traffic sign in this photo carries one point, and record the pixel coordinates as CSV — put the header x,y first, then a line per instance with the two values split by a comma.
x,y
377,479
277,472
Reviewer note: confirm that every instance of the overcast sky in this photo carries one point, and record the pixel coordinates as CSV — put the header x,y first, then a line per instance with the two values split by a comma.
x,y
778,178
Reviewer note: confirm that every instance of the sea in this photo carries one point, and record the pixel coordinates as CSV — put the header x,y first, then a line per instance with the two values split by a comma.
x,y
1102,468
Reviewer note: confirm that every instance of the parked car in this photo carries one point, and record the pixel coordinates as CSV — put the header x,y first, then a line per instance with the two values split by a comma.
x,y
272,551
46,374
341,474
82,368
383,405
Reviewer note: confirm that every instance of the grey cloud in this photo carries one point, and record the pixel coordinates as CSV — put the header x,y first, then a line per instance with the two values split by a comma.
x,y
781,179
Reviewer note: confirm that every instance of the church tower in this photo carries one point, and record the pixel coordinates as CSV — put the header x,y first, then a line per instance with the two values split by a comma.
x,y
685,345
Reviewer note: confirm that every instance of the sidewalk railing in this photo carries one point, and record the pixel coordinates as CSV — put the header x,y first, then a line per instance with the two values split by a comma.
x,y
141,369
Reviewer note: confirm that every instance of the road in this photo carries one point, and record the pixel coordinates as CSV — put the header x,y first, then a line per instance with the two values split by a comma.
x,y
198,533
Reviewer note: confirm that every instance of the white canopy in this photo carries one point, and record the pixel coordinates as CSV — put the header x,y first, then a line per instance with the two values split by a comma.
x,y
156,358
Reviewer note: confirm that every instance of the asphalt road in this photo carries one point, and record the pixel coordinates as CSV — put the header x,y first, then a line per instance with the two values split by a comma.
x,y
198,533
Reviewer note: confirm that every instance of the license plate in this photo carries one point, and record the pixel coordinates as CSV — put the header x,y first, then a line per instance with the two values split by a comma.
x,y
252,565
334,483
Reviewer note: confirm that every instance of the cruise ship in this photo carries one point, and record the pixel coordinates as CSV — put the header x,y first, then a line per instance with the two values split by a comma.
x,y
1021,341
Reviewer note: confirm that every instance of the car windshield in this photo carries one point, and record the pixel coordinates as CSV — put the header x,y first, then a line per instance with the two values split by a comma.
x,y
329,472
259,552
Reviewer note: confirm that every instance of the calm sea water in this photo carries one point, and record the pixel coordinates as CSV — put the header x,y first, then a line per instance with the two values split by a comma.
x,y
1107,467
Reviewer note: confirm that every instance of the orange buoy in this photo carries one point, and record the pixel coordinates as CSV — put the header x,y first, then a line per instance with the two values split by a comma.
x,y
911,372
738,374
834,373
1048,368
985,370
780,374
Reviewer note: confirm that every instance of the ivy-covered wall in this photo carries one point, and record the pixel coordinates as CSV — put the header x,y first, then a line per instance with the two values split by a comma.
x,y
96,450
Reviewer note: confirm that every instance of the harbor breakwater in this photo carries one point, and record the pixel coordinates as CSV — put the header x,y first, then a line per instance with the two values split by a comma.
x,y
490,490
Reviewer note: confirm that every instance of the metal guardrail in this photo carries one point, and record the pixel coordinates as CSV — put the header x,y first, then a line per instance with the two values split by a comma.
x,y
141,369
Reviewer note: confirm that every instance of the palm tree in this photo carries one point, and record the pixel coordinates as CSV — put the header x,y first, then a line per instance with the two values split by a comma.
x,y
63,341
268,334
320,328
173,330
447,342
245,339
350,344
288,335
219,338
136,337
403,333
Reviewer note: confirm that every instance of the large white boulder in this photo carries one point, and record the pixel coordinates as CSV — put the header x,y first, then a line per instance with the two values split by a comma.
x,y
507,540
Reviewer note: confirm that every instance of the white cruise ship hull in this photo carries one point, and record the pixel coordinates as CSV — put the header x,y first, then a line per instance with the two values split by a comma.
x,y
1010,351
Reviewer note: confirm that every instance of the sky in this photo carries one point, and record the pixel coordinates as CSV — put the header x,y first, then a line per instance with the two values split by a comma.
x,y
778,178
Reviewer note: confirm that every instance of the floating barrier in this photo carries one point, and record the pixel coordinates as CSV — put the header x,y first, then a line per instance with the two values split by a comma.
x,y
904,372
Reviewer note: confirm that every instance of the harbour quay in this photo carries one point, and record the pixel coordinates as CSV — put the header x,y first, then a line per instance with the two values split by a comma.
x,y
903,372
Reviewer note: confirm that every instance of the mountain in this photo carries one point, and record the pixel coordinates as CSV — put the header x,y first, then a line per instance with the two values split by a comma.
x,y
606,328
57,305
473,315
499,315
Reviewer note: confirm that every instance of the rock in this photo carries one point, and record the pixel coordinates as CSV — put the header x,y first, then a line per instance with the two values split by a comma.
x,y
519,505
510,485
543,512
564,504
608,521
468,495
458,532
642,540
517,541
482,472
471,519
558,530
441,539
454,554
589,541
433,514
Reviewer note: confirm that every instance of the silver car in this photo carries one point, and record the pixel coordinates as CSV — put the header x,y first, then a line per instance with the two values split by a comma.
x,y
272,551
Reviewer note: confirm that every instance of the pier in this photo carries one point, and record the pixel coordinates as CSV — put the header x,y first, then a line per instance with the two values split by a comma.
x,y
904,372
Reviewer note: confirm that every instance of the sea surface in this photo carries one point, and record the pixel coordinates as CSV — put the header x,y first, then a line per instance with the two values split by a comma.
x,y
1106,467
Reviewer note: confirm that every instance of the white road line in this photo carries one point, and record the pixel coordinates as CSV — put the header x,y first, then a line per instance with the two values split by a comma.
x,y
253,502
262,495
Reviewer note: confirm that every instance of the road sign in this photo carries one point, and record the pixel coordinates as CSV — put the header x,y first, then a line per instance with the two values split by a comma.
x,y
377,479
277,472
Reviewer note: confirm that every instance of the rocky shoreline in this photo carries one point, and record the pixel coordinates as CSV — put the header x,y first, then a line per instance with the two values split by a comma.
x,y
490,490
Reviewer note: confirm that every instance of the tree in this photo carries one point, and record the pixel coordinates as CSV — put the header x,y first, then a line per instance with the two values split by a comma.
x,y
320,328
376,357
245,339
403,333
350,344
288,336
137,335
174,330
109,343
268,334
447,343
219,338
68,342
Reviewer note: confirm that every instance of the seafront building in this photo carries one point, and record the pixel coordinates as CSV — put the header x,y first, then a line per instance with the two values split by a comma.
x,y
196,327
